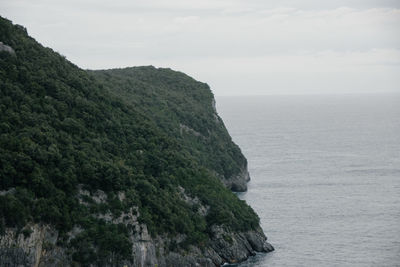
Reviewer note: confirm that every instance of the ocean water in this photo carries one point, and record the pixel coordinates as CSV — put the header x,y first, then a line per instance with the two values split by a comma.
x,y
325,176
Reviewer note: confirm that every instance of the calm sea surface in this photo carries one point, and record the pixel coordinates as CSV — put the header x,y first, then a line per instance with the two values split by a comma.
x,y
325,176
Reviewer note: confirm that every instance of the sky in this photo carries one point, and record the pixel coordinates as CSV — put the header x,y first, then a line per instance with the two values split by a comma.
x,y
238,47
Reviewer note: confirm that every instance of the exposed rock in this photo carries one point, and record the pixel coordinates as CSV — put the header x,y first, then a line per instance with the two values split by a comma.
x,y
37,249
76,230
267,247
121,196
40,249
213,104
258,241
97,197
216,118
238,182
15,257
201,209
213,255
175,259
6,192
6,48
187,129
235,247
226,246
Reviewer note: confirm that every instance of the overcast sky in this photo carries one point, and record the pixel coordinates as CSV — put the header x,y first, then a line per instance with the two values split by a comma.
x,y
237,47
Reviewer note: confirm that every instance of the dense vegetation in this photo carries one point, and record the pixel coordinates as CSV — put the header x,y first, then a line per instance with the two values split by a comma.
x,y
174,100
63,128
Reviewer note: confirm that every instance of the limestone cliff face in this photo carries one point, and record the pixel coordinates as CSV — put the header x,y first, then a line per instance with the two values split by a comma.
x,y
37,248
37,245
237,182
40,249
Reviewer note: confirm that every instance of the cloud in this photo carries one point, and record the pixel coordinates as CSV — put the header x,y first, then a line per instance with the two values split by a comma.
x,y
237,46
186,19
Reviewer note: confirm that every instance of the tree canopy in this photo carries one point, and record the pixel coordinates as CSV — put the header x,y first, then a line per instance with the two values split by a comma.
x,y
63,128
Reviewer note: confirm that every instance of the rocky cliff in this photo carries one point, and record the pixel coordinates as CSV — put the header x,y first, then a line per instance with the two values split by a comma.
x,y
40,248
118,167
185,109
38,244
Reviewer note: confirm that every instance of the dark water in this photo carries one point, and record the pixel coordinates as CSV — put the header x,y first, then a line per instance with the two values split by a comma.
x,y
325,176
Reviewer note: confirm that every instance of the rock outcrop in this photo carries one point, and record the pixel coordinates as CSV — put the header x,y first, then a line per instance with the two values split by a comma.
x,y
238,182
39,249
6,48
36,245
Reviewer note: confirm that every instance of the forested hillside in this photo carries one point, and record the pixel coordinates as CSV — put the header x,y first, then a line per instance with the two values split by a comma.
x,y
101,156
185,110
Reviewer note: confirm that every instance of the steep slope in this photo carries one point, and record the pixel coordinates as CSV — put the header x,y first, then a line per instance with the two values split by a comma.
x,y
90,176
185,110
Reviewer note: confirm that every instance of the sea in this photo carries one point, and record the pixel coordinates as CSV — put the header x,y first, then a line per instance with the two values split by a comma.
x,y
325,176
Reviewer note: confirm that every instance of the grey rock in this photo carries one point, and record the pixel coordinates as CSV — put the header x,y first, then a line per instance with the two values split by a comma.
x,y
40,249
213,255
238,182
256,239
213,105
6,48
235,247
15,257
267,247
37,249
194,201
184,128
6,192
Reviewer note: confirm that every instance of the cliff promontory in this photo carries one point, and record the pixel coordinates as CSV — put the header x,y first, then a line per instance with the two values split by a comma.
x,y
185,110
122,167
